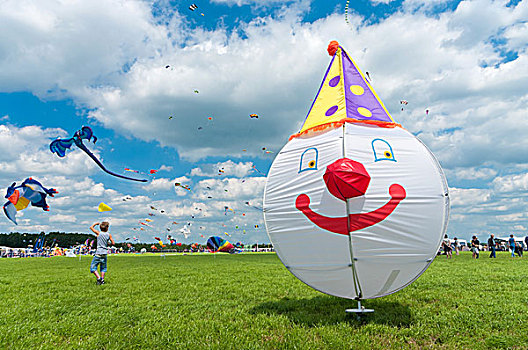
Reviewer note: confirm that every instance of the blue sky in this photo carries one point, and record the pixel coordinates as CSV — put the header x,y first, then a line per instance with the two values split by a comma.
x,y
103,64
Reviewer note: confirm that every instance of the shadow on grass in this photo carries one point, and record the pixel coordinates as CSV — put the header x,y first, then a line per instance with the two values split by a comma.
x,y
328,310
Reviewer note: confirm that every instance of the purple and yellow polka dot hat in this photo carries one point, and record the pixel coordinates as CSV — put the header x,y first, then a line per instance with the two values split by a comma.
x,y
345,95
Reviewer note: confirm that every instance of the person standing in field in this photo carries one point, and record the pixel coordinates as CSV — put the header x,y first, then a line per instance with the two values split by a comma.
x,y
491,246
101,253
457,245
511,243
475,247
447,247
519,249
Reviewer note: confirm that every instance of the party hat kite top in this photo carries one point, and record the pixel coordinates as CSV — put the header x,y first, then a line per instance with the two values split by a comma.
x,y
345,95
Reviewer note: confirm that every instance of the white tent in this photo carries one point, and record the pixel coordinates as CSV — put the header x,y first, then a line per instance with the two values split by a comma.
x,y
69,253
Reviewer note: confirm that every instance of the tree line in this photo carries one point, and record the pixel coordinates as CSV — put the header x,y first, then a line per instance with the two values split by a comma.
x,y
67,240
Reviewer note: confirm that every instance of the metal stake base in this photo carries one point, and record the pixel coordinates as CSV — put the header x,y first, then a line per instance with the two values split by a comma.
x,y
359,311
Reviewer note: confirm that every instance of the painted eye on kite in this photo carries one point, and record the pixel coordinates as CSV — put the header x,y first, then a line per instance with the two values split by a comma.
x,y
382,150
309,159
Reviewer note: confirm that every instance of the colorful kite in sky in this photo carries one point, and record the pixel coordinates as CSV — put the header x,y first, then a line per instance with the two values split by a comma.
x,y
355,205
217,244
19,197
226,208
258,171
103,207
160,242
186,231
59,146
177,184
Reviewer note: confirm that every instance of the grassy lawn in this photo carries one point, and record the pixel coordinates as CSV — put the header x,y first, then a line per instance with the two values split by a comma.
x,y
251,301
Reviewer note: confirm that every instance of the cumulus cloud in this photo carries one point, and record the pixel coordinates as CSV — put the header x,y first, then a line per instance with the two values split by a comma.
x,y
60,218
462,197
473,173
165,168
435,61
227,168
230,188
511,183
164,184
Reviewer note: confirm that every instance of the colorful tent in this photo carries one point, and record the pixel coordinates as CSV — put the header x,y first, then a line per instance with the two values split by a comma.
x,y
19,197
355,205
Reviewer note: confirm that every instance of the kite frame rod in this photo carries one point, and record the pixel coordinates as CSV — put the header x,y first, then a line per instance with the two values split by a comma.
x,y
355,278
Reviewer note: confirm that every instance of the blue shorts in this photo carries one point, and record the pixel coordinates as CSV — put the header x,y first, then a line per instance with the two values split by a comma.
x,y
98,260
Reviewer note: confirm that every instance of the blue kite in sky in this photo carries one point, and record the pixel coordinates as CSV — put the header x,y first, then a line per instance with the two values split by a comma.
x,y
60,146
19,197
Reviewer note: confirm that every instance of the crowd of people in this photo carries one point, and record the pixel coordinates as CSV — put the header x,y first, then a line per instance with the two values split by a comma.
x,y
6,252
515,247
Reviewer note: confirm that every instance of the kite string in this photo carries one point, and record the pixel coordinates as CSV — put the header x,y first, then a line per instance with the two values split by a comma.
x,y
346,12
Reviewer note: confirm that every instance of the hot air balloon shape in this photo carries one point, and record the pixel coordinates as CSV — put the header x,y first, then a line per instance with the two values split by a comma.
x,y
355,205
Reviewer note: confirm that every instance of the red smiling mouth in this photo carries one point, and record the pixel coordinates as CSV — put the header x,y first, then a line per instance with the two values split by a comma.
x,y
346,179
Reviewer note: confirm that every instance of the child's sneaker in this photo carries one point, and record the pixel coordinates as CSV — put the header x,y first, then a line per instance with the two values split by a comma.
x,y
99,281
102,281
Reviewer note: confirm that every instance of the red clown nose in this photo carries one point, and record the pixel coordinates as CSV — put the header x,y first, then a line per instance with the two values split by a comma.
x,y
346,178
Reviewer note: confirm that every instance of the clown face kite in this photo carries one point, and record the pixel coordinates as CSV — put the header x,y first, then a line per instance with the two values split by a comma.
x,y
355,205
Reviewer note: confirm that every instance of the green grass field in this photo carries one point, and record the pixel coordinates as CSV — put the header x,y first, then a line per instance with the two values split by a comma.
x,y
251,301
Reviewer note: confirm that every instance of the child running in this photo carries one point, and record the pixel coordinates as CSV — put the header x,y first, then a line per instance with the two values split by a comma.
x,y
102,250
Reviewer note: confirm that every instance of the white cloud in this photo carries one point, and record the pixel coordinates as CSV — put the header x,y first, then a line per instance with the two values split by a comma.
x,y
60,218
165,168
511,183
464,197
71,45
230,188
473,173
517,36
442,62
164,184
515,217
227,168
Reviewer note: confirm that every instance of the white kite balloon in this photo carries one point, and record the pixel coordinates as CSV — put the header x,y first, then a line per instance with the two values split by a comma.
x,y
355,205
